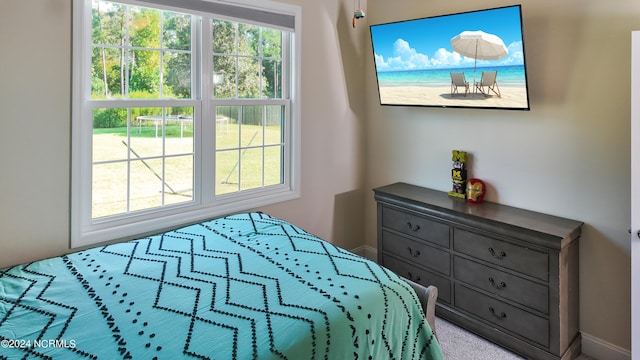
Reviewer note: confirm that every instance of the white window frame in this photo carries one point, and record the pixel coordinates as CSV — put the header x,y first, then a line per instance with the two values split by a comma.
x,y
86,231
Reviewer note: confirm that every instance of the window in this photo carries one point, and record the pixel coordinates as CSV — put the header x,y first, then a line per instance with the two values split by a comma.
x,y
180,114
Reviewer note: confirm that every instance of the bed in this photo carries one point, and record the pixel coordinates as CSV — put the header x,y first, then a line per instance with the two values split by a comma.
x,y
245,286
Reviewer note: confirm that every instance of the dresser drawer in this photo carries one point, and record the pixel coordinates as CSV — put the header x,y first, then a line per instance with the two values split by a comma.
x,y
417,251
417,226
503,315
515,257
421,276
525,292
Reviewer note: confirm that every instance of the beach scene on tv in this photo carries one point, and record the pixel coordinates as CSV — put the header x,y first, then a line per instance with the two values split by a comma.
x,y
473,59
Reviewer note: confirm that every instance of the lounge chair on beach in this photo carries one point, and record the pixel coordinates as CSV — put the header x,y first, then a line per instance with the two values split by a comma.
x,y
488,80
457,79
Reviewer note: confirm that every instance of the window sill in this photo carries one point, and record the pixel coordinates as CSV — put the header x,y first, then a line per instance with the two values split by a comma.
x,y
151,223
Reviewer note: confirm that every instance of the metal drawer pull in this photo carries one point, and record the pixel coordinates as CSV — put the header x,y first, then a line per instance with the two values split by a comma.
x,y
500,256
413,253
500,316
500,286
410,276
412,227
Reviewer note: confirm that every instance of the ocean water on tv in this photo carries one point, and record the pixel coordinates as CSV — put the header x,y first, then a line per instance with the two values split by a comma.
x,y
513,75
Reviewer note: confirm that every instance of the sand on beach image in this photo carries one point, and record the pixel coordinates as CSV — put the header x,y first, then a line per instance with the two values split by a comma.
x,y
514,97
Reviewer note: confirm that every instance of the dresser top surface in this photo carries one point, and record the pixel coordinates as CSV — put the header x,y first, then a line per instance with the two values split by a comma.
x,y
487,211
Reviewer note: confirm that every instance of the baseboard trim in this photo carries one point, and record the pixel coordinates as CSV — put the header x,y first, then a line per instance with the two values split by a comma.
x,y
602,350
367,252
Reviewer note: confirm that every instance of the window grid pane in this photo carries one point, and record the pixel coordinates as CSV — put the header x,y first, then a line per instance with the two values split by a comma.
x,y
129,46
143,159
247,61
249,153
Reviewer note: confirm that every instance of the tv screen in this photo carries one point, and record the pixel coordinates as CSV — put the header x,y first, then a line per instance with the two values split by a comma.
x,y
473,59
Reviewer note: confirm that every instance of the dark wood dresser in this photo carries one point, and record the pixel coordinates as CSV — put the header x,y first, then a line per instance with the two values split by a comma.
x,y
507,274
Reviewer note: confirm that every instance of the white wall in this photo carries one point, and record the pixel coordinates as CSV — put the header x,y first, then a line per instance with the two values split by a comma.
x,y
35,100
568,156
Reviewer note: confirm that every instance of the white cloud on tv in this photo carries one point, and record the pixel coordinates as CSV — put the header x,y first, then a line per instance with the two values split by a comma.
x,y
405,57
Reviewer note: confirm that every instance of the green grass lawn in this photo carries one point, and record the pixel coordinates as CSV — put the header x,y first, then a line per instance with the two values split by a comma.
x,y
131,166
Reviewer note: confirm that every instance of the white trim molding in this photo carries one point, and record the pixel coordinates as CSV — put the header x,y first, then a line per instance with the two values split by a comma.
x,y
366,252
602,350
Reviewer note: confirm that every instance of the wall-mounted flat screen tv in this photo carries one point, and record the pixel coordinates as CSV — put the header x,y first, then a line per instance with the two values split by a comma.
x,y
474,59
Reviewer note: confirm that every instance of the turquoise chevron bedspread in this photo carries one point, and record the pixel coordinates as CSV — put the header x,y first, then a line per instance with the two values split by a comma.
x,y
246,286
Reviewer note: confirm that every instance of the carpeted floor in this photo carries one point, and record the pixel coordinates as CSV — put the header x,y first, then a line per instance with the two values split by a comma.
x,y
459,344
